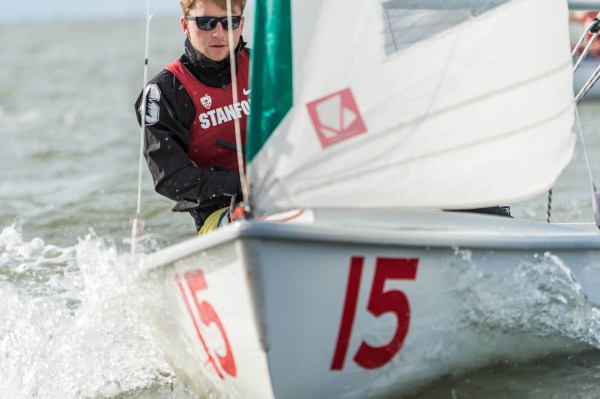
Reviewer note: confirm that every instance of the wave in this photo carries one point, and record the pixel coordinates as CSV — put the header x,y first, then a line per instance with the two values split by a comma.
x,y
71,327
538,296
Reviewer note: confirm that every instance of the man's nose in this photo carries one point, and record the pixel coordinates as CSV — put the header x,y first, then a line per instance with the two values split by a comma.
x,y
219,30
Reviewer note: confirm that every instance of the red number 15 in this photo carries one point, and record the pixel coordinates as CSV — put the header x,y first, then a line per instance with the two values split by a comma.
x,y
380,302
208,316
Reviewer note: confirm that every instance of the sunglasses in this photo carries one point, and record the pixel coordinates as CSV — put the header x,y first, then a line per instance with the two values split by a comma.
x,y
210,23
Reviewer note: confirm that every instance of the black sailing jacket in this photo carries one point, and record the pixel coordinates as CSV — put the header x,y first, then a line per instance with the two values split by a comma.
x,y
196,190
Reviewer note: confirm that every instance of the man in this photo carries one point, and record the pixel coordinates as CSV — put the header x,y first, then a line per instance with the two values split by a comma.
x,y
190,114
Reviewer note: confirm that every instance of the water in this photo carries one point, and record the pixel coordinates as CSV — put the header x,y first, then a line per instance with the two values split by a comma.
x,y
68,186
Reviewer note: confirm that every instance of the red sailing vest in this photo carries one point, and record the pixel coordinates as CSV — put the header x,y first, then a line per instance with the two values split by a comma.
x,y
215,116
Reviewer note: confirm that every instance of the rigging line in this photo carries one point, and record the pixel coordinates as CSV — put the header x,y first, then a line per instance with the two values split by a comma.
x,y
549,209
595,194
593,27
585,52
391,28
238,134
138,223
588,85
585,153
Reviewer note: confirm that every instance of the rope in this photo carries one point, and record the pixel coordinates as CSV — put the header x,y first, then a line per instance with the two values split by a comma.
x,y
593,27
549,211
238,134
595,197
137,228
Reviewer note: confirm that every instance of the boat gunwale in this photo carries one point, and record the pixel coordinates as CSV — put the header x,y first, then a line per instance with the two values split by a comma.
x,y
545,237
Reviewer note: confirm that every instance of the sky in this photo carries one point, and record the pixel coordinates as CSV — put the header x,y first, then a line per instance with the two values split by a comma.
x,y
57,10
60,10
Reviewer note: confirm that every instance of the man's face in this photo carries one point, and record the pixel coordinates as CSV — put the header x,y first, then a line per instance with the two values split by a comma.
x,y
211,43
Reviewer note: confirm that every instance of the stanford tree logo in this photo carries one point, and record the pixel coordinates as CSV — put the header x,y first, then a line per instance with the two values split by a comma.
x,y
206,101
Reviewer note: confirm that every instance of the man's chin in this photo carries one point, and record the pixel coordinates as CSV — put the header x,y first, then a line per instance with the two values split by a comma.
x,y
219,55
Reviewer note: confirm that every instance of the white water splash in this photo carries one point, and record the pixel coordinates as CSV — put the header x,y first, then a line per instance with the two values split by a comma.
x,y
69,327
539,297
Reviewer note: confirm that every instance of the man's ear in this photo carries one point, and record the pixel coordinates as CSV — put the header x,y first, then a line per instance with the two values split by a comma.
x,y
185,26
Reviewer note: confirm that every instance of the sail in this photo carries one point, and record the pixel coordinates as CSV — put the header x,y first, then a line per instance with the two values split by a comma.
x,y
408,104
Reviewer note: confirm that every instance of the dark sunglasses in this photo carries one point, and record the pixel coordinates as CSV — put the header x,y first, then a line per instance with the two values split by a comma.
x,y
210,23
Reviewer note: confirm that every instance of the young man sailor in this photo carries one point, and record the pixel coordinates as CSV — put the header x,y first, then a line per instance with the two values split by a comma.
x,y
189,133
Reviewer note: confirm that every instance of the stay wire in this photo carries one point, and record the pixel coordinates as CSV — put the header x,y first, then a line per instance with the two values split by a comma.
x,y
588,85
595,195
594,29
137,228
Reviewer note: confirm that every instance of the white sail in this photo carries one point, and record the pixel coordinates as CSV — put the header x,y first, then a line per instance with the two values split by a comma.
x,y
458,104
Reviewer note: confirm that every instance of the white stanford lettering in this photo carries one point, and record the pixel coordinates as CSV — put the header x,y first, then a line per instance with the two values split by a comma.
x,y
224,114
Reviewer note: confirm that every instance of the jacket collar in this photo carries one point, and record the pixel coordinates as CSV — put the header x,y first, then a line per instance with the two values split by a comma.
x,y
209,72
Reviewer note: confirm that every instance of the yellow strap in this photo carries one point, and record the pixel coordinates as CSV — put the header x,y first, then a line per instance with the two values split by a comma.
x,y
212,222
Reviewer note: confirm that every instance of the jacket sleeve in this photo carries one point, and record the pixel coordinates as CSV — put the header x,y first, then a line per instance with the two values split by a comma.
x,y
169,112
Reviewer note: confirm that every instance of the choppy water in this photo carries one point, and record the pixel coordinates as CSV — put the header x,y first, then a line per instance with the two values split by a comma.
x,y
68,185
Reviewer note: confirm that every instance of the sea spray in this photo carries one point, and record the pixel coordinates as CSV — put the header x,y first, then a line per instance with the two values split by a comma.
x,y
537,296
70,326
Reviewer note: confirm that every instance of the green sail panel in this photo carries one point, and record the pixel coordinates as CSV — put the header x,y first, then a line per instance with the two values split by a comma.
x,y
271,73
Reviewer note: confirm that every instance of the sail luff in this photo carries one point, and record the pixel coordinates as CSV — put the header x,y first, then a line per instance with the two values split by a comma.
x,y
272,71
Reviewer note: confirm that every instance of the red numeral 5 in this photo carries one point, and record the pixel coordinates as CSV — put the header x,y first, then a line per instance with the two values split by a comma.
x,y
380,302
196,283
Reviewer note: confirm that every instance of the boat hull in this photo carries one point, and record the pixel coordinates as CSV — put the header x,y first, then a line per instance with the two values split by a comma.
x,y
295,311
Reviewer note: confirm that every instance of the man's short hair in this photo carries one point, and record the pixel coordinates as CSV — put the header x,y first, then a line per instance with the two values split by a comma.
x,y
187,5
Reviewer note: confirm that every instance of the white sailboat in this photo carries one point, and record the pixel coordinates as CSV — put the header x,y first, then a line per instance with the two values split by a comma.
x,y
369,118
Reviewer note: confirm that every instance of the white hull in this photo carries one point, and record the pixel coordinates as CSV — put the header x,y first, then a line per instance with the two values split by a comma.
x,y
264,309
